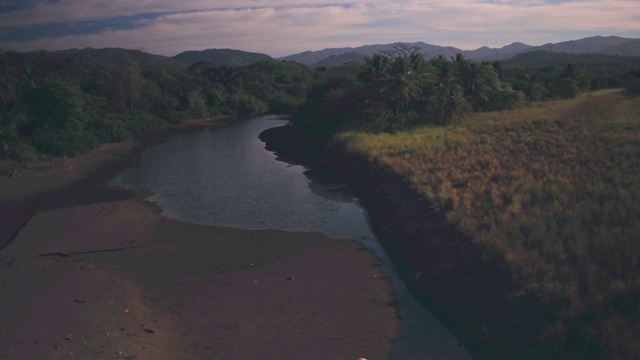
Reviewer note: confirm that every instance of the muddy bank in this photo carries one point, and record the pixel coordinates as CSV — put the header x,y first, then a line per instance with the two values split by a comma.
x,y
88,271
447,271
117,280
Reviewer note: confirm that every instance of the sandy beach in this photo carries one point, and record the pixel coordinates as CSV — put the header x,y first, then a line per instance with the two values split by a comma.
x,y
95,272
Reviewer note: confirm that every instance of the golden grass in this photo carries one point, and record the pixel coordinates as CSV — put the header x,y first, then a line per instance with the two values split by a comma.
x,y
553,188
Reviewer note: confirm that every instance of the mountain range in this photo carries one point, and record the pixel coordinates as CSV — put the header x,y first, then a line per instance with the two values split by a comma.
x,y
609,45
614,50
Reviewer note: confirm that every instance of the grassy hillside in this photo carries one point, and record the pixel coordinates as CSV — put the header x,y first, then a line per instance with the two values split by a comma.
x,y
553,189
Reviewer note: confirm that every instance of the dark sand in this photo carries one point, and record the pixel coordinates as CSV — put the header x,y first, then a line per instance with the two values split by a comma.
x,y
114,279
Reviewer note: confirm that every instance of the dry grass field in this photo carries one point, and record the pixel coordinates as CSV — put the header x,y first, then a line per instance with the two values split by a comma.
x,y
552,189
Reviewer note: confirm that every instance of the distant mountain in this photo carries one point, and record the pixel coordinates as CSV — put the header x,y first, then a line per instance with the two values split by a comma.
x,y
115,56
543,58
505,52
337,60
221,57
312,58
610,45
590,45
629,48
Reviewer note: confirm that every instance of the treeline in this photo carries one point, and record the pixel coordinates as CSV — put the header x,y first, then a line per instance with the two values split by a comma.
x,y
61,106
403,89
55,106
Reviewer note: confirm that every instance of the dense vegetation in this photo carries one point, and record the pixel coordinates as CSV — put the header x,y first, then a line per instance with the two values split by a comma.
x,y
404,89
52,105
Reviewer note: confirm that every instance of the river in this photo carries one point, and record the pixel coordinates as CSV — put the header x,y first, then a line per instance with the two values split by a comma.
x,y
225,177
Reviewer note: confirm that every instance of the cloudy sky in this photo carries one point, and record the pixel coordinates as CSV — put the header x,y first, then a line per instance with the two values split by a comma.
x,y
284,27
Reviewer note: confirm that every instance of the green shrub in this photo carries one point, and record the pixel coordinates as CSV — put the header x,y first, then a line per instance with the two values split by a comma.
x,y
144,121
109,129
246,105
63,142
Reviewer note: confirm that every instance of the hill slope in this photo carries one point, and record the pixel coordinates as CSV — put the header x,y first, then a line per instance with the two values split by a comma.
x,y
313,58
542,58
115,56
221,57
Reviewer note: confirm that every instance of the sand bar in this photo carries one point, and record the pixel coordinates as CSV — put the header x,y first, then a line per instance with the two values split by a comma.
x,y
114,279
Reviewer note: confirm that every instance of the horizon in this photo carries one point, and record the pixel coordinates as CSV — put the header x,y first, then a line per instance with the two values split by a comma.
x,y
282,28
317,50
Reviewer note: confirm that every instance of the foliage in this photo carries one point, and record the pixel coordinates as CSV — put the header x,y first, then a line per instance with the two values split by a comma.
x,y
631,82
245,105
403,89
67,103
60,113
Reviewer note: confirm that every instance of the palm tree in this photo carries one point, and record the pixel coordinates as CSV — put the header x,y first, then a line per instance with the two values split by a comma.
x,y
375,68
533,89
481,80
568,83
404,79
447,92
396,77
461,63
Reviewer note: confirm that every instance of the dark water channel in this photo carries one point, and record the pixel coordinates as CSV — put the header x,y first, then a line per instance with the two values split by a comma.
x,y
225,177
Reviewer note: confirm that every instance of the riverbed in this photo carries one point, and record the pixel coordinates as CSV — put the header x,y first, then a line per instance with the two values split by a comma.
x,y
225,177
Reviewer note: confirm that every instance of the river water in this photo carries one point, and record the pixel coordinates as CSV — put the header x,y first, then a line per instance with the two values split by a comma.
x,y
225,177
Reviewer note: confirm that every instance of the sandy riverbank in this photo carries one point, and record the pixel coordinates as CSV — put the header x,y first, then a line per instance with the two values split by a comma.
x,y
98,274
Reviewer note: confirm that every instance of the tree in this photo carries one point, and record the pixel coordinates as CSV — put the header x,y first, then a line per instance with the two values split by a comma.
x,y
403,81
195,105
481,82
125,88
397,76
60,111
228,76
447,93
497,66
568,83
533,88
375,68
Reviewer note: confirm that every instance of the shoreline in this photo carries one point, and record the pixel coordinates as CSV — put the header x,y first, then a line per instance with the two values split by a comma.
x,y
450,274
80,180
127,282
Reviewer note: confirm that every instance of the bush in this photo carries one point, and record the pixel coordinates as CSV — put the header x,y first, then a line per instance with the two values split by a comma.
x,y
171,116
109,129
631,83
140,122
63,142
246,105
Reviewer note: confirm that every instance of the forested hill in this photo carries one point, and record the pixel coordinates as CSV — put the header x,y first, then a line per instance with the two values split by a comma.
x,y
542,58
117,56
221,57
114,56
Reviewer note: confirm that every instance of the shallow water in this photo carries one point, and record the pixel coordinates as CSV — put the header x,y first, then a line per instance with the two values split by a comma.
x,y
225,177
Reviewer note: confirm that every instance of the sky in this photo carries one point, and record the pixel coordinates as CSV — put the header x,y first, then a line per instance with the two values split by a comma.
x,y
284,27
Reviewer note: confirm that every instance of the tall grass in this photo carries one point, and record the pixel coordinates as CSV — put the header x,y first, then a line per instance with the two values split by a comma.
x,y
553,189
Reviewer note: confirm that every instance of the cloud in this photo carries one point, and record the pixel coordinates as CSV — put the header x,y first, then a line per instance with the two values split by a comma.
x,y
284,27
